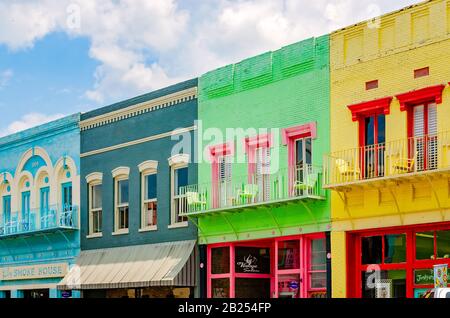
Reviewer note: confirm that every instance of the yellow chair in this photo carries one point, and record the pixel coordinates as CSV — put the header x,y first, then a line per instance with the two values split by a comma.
x,y
404,165
346,170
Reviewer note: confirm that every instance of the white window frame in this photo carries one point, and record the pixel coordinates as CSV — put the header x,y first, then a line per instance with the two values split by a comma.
x,y
120,174
93,179
176,162
146,169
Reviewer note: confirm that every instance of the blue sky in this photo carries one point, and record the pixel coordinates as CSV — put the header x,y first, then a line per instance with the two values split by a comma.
x,y
59,57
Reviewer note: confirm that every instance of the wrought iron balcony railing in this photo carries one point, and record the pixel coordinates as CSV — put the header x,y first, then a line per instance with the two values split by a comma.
x,y
409,156
52,218
296,183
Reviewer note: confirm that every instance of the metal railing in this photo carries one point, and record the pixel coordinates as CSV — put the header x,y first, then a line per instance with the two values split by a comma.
x,y
394,158
238,191
53,217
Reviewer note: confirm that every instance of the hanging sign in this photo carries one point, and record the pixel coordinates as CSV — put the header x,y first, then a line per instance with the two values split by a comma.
x,y
440,276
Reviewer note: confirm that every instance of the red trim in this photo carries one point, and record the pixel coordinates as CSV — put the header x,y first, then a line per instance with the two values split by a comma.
x,y
303,271
355,268
428,94
297,132
374,107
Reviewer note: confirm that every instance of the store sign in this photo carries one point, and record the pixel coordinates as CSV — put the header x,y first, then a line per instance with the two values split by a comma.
x,y
251,260
33,272
424,277
440,276
294,285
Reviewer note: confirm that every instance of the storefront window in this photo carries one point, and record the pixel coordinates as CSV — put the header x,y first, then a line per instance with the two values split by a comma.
x,y
372,248
443,244
289,286
220,288
425,246
220,259
395,248
384,284
318,277
423,277
252,288
288,255
252,260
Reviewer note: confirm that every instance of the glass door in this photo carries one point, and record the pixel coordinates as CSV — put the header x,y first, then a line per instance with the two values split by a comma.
x,y
25,221
425,136
373,146
6,212
66,218
45,208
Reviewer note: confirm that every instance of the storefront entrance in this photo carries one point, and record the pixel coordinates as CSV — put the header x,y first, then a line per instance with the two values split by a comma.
x,y
397,262
289,267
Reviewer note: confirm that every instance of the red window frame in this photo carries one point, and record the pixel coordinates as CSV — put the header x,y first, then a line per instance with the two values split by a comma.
x,y
354,255
304,271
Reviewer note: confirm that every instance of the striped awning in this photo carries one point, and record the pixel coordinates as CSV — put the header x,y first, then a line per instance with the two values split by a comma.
x,y
165,264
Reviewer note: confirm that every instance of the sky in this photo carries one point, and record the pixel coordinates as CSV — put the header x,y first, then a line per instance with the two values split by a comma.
x,y
59,57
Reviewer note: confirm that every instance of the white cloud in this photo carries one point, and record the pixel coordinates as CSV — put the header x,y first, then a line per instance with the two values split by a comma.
x,y
28,121
144,45
5,77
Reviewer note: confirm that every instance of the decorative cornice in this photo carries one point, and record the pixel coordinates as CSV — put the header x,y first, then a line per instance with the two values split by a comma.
x,y
382,105
432,93
121,171
139,109
138,141
94,176
179,159
307,130
150,165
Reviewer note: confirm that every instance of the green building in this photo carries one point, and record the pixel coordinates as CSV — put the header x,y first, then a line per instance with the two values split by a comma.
x,y
259,206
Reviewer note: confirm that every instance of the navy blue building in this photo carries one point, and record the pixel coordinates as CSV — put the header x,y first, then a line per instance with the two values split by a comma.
x,y
135,157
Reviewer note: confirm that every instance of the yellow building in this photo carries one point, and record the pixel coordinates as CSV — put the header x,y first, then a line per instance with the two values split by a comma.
x,y
389,166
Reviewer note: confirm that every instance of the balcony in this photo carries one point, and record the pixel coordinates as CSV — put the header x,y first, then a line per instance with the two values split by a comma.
x,y
238,193
405,159
52,219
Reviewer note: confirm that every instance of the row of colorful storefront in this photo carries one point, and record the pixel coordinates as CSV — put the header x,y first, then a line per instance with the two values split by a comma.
x,y
318,170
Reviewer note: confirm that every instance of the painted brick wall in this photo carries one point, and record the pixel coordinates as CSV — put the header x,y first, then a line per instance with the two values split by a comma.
x,y
280,89
128,130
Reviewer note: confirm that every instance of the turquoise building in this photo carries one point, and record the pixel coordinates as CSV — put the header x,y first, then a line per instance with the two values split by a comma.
x,y
39,215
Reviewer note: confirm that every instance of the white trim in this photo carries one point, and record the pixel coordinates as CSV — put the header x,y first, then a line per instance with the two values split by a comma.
x,y
120,172
135,110
94,235
117,205
148,166
91,210
144,201
178,225
179,160
94,177
149,229
138,141
121,232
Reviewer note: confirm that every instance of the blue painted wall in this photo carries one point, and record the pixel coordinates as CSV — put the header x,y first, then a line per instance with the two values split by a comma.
x,y
148,124
59,138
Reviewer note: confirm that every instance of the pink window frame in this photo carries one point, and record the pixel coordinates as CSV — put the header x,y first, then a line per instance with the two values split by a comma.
x,y
304,271
215,152
250,146
290,136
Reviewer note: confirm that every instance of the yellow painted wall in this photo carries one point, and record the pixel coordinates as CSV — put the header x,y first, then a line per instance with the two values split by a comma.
x,y
388,49
338,265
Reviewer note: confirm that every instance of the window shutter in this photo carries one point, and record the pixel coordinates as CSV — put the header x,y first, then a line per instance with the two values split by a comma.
x,y
419,129
432,120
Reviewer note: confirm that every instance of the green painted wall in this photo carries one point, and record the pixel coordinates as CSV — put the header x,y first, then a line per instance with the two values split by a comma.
x,y
280,89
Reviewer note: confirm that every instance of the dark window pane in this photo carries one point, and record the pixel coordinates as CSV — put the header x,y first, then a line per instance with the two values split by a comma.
x,y
288,255
389,284
299,152
150,182
220,259
395,248
424,277
371,250
443,244
308,146
369,129
181,179
381,129
252,288
220,288
252,260
425,245
123,191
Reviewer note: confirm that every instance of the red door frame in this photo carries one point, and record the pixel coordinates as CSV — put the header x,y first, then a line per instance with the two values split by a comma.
x,y
362,141
355,268
303,271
